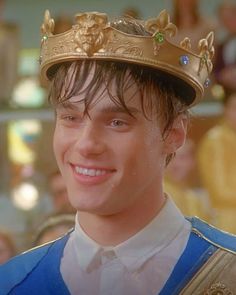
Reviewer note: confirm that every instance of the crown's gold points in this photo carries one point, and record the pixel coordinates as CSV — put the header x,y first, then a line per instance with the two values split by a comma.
x,y
48,25
93,37
161,24
206,52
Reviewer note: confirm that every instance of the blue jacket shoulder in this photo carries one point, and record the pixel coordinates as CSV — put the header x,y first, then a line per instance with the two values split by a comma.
x,y
16,269
213,235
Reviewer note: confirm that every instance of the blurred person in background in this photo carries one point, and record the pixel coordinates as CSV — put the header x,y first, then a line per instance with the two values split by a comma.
x,y
225,61
53,227
190,22
13,220
63,23
7,246
9,49
191,200
131,11
217,165
58,194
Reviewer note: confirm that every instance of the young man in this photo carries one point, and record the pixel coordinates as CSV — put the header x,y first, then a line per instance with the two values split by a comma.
x,y
121,92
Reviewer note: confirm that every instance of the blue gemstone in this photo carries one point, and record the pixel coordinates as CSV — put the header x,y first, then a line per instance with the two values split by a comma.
x,y
184,60
207,82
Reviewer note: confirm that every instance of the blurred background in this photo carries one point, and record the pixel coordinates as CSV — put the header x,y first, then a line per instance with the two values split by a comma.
x,y
31,188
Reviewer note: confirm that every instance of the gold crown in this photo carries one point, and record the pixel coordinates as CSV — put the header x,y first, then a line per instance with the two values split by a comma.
x,y
93,37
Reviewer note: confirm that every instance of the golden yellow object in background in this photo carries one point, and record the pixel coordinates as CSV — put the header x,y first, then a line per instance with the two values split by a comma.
x,y
217,165
187,200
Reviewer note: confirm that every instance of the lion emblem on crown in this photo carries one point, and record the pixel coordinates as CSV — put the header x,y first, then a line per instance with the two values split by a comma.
x,y
90,35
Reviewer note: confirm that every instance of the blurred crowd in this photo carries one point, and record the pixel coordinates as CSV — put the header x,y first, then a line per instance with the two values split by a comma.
x,y
200,178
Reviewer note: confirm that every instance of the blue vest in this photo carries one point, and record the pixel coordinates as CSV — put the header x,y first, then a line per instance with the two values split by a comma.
x,y
37,272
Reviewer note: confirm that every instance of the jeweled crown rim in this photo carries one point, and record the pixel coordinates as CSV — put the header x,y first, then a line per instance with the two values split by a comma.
x,y
92,37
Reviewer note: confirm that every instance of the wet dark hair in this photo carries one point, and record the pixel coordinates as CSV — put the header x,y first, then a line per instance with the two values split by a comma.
x,y
169,95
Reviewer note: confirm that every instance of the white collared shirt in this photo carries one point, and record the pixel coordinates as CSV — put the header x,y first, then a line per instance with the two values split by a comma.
x,y
141,265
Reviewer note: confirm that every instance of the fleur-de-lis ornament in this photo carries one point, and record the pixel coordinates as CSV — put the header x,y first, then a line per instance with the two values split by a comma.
x,y
47,29
48,25
206,52
161,24
160,27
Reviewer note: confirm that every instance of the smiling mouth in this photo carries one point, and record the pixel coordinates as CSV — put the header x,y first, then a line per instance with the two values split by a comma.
x,y
91,172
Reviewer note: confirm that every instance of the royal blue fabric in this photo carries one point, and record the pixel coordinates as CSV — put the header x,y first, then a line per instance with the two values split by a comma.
x,y
37,272
222,239
201,245
196,253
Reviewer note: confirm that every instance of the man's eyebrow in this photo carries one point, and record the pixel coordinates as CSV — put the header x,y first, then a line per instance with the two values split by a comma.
x,y
67,105
104,109
119,109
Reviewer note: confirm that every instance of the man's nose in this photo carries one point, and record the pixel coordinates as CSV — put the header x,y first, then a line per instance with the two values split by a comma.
x,y
90,141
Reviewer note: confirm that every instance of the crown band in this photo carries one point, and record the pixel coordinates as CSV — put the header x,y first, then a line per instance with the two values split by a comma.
x,y
92,37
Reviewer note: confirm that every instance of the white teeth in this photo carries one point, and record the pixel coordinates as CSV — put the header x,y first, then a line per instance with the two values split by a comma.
x,y
89,172
100,172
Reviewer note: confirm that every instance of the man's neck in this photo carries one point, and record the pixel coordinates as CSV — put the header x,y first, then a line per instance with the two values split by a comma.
x,y
111,230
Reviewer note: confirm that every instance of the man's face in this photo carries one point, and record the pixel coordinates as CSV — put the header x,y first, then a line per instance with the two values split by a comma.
x,y
110,160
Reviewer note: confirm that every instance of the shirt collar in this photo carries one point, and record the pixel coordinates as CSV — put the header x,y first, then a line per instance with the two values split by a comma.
x,y
85,248
135,251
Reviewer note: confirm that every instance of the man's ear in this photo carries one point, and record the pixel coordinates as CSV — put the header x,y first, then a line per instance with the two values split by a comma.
x,y
176,135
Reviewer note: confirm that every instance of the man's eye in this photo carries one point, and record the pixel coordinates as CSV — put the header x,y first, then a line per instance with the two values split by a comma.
x,y
117,123
69,118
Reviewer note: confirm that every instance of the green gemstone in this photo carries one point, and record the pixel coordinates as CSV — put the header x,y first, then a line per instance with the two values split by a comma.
x,y
159,37
45,38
